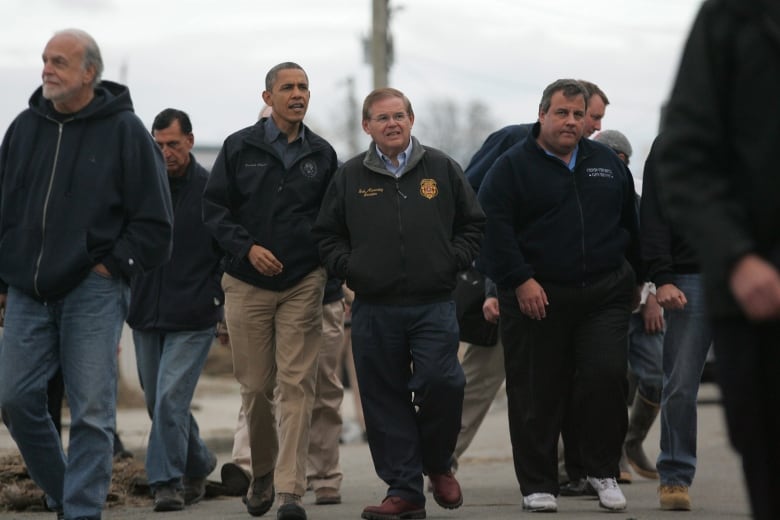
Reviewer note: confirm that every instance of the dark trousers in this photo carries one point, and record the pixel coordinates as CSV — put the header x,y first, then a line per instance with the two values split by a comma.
x,y
576,357
411,387
748,365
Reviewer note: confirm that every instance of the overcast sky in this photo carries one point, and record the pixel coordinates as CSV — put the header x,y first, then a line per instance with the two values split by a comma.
x,y
210,57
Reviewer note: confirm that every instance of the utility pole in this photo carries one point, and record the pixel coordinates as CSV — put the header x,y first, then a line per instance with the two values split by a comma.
x,y
353,117
380,43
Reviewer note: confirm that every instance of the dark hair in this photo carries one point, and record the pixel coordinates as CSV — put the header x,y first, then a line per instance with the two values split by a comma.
x,y
166,118
569,87
270,78
384,93
594,90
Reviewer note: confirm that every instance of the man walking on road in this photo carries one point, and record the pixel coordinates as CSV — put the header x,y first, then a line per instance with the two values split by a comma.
x,y
84,207
174,310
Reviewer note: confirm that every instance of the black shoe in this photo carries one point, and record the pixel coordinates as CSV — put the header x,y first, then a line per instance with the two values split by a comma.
x,y
578,488
195,487
261,496
120,453
291,508
234,479
168,498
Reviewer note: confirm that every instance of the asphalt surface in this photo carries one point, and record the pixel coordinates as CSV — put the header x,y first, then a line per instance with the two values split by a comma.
x,y
486,473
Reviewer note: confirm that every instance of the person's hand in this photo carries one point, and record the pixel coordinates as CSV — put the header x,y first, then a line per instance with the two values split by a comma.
x,y
490,309
222,333
102,270
532,299
653,315
755,284
264,261
670,297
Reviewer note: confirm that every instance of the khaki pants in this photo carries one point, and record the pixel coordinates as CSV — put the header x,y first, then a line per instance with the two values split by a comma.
x,y
276,338
484,371
323,469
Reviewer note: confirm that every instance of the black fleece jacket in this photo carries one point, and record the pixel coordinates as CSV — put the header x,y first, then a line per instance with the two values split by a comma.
x,y
549,223
80,189
185,292
400,240
665,252
717,168
251,198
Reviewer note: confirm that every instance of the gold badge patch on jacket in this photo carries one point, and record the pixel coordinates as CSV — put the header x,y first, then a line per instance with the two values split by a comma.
x,y
428,188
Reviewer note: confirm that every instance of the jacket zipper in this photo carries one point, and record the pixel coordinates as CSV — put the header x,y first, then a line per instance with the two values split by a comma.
x,y
46,207
582,223
402,246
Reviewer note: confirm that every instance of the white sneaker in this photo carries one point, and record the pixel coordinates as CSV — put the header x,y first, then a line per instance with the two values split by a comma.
x,y
610,496
540,502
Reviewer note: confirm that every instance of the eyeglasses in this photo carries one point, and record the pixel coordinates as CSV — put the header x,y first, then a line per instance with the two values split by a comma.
x,y
383,119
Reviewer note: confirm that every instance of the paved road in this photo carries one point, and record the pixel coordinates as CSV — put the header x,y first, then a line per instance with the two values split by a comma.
x,y
486,474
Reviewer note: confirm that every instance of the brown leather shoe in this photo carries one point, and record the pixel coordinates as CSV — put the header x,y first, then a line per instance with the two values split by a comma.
x,y
446,490
393,508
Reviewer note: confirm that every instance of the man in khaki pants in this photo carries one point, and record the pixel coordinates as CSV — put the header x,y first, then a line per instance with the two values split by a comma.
x,y
323,471
260,203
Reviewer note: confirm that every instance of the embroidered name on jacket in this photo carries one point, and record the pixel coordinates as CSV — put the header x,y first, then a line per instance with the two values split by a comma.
x,y
370,192
428,188
600,172
309,168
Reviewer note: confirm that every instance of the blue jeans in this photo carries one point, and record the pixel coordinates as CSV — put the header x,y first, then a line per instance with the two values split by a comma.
x,y
687,340
79,334
169,365
645,354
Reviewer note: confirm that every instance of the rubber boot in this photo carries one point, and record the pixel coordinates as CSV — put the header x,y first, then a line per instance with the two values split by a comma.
x,y
643,413
625,472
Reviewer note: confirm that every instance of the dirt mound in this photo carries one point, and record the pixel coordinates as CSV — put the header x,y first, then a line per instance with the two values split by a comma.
x,y
19,493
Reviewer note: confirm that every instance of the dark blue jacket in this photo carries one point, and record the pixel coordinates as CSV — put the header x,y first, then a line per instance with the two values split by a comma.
x,y
251,198
665,252
79,190
496,144
551,224
185,292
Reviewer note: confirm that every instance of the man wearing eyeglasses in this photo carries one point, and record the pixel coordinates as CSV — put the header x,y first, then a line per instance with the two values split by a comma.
x,y
398,223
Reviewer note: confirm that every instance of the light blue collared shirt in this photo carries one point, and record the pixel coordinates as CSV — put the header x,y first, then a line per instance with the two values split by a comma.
x,y
572,159
402,158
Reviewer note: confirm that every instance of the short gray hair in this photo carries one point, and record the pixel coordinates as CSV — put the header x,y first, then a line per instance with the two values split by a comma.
x,y
92,57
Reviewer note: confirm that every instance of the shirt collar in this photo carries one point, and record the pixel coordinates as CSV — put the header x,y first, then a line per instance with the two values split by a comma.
x,y
272,132
402,159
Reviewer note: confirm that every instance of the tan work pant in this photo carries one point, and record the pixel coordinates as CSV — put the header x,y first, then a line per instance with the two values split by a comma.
x,y
276,337
484,371
323,469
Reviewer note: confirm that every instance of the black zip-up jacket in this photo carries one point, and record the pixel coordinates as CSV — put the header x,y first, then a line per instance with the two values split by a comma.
x,y
251,198
184,293
400,240
551,224
80,189
717,162
665,252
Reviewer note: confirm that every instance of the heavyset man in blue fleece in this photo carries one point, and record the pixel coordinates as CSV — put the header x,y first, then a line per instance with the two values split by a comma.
x,y
84,206
561,218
